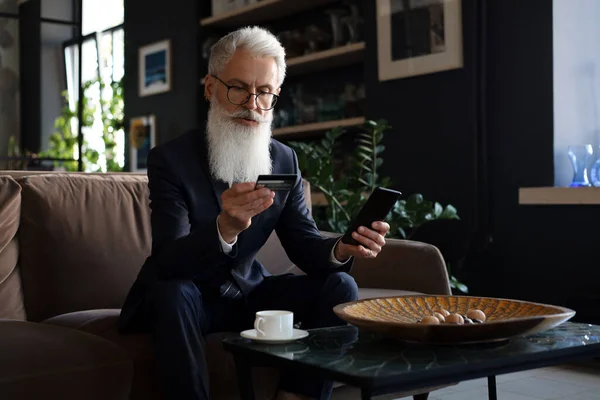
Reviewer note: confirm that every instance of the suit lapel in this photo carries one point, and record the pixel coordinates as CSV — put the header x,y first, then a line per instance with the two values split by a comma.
x,y
218,187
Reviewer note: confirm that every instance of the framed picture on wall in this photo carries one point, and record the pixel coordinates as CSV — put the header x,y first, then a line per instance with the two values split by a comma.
x,y
142,138
417,37
155,68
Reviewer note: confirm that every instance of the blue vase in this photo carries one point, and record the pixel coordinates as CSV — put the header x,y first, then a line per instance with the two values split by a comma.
x,y
580,157
594,172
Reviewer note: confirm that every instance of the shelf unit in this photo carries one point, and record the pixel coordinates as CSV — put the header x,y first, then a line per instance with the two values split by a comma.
x,y
262,11
269,10
327,59
305,130
322,60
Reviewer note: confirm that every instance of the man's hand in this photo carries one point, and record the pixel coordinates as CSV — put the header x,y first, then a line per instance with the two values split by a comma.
x,y
371,242
240,203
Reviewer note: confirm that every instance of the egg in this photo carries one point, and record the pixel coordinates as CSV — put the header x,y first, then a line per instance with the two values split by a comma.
x,y
440,317
476,314
444,312
468,321
455,319
429,320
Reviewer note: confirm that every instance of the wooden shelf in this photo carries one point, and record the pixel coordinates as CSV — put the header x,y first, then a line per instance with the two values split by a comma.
x,y
317,127
323,60
262,11
559,196
327,59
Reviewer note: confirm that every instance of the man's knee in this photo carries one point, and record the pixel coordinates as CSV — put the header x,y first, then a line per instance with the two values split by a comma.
x,y
173,296
342,286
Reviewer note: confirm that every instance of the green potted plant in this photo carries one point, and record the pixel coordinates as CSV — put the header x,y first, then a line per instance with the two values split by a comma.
x,y
347,187
63,142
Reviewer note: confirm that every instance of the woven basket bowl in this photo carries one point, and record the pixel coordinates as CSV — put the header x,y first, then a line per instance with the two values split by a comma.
x,y
399,317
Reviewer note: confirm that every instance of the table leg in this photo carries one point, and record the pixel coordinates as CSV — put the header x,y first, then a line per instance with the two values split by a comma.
x,y
365,394
244,376
492,393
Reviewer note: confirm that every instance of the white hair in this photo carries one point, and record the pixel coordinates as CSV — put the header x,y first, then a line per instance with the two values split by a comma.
x,y
257,41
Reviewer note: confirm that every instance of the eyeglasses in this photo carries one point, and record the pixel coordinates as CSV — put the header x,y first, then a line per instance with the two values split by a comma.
x,y
239,96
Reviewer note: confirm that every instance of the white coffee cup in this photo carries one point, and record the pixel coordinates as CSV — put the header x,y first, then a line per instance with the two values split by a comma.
x,y
274,324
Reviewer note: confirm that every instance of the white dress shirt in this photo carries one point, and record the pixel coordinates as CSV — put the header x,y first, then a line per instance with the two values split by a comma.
x,y
227,247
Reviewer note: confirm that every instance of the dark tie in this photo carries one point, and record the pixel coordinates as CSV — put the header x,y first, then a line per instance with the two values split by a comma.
x,y
230,290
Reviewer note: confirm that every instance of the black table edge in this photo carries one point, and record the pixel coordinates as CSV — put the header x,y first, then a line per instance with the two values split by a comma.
x,y
392,384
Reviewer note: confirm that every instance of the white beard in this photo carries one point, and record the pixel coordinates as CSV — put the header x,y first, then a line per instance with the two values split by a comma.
x,y
238,153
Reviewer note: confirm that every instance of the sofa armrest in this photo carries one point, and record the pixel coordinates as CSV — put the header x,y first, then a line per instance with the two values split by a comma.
x,y
40,361
403,265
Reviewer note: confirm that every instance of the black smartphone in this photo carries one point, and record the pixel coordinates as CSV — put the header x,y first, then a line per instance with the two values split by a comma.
x,y
284,182
377,207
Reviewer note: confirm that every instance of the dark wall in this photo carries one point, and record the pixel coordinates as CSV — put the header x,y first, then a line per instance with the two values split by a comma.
x,y
472,137
430,149
520,127
539,253
148,21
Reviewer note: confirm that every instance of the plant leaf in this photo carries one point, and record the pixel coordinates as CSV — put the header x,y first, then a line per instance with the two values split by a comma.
x,y
449,213
438,209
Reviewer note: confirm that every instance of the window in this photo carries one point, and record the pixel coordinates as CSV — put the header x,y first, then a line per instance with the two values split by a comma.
x,y
99,16
102,70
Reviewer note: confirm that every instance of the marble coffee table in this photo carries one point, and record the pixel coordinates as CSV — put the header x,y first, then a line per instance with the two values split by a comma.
x,y
380,365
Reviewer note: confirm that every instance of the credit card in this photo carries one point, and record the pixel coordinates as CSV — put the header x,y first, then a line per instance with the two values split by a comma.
x,y
283,182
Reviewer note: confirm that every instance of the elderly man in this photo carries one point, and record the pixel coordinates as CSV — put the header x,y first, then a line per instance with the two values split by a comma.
x,y
209,222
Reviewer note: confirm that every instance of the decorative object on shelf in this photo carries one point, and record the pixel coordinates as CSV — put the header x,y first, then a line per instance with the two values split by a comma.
x,y
361,99
155,68
416,38
296,94
292,42
321,105
225,6
281,118
349,100
352,23
316,39
337,29
142,138
580,156
594,172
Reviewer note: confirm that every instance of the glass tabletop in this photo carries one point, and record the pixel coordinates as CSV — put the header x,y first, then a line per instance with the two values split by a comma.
x,y
370,358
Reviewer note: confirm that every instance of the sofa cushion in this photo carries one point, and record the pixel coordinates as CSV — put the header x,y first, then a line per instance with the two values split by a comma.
x,y
46,362
138,347
11,293
223,384
83,240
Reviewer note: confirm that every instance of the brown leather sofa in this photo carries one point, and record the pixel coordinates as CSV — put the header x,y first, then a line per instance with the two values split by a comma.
x,y
70,247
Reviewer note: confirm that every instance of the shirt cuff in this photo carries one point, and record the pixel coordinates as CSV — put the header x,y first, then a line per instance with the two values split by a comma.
x,y
227,247
334,260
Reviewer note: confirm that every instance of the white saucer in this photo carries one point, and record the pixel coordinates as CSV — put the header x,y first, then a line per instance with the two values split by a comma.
x,y
252,334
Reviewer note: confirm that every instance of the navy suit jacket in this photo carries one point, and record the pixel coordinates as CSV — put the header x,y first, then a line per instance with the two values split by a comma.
x,y
185,201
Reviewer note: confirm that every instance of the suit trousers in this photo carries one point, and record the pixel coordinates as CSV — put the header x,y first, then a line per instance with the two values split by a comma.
x,y
179,317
